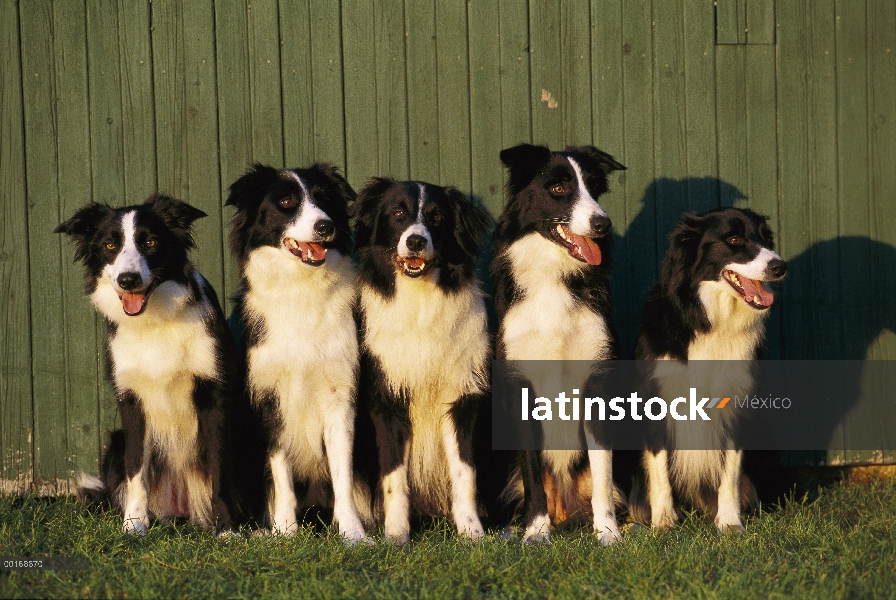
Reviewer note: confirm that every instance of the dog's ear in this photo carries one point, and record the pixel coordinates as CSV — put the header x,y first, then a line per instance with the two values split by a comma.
x,y
331,172
177,215
366,209
472,223
83,226
524,162
246,194
682,256
604,161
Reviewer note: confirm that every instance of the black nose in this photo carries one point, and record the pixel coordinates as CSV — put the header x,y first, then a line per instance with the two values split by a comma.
x,y
416,243
600,225
776,268
129,281
324,228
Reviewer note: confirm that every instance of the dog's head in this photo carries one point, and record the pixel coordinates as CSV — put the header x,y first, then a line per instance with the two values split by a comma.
x,y
730,248
303,212
555,194
410,227
134,249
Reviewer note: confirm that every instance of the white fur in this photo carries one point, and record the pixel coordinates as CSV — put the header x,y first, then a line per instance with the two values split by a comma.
x,y
756,268
396,505
435,346
136,510
156,355
585,205
129,259
417,228
309,357
302,228
539,531
600,460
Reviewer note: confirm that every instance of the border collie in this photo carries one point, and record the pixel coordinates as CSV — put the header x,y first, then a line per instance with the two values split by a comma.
x,y
708,305
552,300
298,286
426,349
170,359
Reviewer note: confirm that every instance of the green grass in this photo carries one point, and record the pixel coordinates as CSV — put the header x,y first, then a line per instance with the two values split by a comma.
x,y
840,544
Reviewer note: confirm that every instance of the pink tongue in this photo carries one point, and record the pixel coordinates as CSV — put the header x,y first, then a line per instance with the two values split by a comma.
x,y
588,249
318,252
132,303
753,288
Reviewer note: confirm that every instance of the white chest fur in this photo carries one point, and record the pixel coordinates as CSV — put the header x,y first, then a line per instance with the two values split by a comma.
x,y
736,329
549,323
426,340
157,355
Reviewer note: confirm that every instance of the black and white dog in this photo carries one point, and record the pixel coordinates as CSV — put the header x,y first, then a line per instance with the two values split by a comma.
x,y
292,239
425,347
170,359
552,300
708,307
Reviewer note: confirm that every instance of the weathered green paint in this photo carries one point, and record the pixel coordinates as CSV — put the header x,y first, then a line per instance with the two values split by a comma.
x,y
787,107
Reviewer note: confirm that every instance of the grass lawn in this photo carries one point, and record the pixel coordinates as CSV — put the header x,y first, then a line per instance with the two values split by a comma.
x,y
841,543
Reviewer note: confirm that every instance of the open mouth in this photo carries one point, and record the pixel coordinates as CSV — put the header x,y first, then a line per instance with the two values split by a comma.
x,y
311,253
412,266
134,302
579,247
754,292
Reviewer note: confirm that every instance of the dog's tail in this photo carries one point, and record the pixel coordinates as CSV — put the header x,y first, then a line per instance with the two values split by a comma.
x,y
93,490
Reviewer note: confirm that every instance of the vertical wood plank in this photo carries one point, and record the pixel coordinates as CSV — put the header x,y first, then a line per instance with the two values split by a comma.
x,y
700,106
731,114
575,71
265,93
186,122
760,21
485,104
423,92
453,72
882,180
16,459
670,119
640,188
547,94
392,89
296,71
516,79
359,54
792,90
731,21
326,81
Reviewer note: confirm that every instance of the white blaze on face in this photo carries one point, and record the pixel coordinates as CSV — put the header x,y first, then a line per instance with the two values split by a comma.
x,y
757,268
129,258
302,227
417,228
585,205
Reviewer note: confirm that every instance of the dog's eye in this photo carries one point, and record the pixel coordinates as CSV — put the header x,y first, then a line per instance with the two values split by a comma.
x,y
437,218
736,240
110,246
398,214
288,202
558,188
150,243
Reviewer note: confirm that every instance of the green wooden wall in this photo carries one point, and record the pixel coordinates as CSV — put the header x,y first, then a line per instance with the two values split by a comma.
x,y
787,107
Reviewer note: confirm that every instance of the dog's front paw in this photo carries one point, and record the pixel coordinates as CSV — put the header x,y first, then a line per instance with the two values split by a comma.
x,y
608,536
284,529
538,531
470,528
397,539
664,521
355,537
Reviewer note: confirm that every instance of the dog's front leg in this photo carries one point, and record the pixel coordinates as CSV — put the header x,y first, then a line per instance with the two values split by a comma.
x,y
538,522
392,431
283,497
136,501
459,453
338,437
659,494
600,459
728,516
